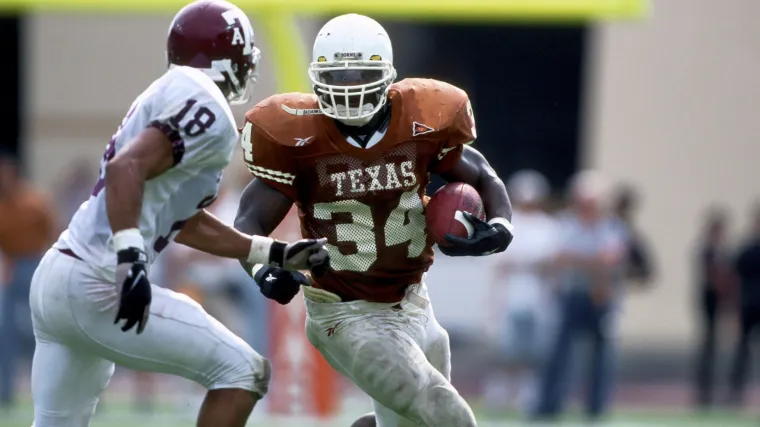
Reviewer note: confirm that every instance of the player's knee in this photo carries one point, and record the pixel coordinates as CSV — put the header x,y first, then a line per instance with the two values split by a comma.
x,y
441,405
395,387
248,370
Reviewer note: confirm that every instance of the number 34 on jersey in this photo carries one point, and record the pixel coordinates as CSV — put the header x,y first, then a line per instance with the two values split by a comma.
x,y
405,224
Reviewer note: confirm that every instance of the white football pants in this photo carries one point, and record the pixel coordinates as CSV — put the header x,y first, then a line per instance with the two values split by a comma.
x,y
397,353
73,313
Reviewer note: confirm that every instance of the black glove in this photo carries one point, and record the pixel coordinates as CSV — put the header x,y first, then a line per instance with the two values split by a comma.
x,y
485,240
279,284
305,254
135,298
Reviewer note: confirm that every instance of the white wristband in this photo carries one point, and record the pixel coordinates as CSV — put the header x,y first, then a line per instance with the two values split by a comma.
x,y
256,269
503,221
260,247
129,238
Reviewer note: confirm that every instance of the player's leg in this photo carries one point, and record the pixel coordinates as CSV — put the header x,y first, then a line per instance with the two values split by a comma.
x,y
180,339
387,362
437,350
66,384
66,381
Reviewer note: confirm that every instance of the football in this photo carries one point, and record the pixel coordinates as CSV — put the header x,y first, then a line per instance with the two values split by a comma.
x,y
443,214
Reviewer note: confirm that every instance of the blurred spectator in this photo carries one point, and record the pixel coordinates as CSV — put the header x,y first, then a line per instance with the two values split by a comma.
x,y
27,228
639,268
715,279
589,267
74,188
748,272
521,293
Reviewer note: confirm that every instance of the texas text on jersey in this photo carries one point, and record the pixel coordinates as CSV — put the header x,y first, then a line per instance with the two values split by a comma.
x,y
368,202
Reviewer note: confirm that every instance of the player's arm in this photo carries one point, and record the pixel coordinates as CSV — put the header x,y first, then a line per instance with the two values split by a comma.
x,y
207,233
265,202
147,156
495,234
458,162
150,154
261,210
473,168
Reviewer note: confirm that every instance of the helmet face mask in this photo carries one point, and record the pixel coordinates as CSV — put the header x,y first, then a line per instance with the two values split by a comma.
x,y
237,80
351,91
352,69
216,37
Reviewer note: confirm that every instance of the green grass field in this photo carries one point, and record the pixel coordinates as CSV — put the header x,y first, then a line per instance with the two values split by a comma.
x,y
121,416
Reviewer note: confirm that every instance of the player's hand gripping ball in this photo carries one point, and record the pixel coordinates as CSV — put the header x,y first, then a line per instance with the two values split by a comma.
x,y
456,220
444,214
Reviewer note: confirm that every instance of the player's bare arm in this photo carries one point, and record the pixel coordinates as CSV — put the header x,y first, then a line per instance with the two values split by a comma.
x,y
207,233
492,236
474,169
148,156
261,210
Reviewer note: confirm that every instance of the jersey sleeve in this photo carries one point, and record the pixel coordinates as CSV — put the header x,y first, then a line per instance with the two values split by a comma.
x,y
461,132
194,121
268,160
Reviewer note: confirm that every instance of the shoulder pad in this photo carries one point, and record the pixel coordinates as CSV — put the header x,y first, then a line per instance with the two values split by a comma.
x,y
430,91
432,105
285,117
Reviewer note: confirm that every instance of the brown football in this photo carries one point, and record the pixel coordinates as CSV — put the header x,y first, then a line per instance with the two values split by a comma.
x,y
443,214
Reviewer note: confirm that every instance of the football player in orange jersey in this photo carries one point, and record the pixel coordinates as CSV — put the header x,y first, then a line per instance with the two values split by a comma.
x,y
355,158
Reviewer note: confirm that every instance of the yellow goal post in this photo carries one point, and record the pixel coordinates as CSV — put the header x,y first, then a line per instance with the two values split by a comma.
x,y
276,18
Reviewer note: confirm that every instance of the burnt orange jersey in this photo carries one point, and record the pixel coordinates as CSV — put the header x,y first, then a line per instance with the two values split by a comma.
x,y
368,202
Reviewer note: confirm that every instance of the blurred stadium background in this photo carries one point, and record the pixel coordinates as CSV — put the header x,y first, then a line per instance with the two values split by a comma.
x,y
659,97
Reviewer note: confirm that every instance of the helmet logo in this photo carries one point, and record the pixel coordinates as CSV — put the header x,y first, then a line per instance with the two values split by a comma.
x,y
375,58
321,59
237,38
243,32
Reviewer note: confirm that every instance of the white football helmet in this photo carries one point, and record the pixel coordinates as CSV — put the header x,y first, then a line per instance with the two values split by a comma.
x,y
352,68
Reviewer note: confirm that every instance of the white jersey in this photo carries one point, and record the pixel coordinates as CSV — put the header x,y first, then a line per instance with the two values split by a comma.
x,y
194,114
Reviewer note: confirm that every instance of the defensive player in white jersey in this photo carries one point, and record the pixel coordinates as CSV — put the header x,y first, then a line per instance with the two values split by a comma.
x,y
161,168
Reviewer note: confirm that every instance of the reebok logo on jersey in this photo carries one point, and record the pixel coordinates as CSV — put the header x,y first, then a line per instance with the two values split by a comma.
x,y
420,129
300,142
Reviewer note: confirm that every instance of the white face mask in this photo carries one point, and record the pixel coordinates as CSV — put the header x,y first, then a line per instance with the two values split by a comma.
x,y
363,114
352,91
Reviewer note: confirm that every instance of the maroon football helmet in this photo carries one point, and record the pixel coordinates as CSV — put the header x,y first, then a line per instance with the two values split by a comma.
x,y
216,36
